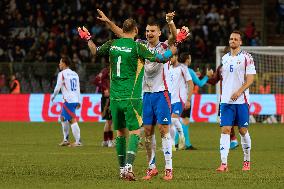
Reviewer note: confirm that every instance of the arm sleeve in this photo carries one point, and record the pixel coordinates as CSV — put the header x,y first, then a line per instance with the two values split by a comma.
x,y
196,80
250,68
104,49
144,53
186,74
59,84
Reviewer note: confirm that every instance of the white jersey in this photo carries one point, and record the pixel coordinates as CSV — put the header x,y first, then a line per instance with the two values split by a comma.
x,y
179,76
234,71
68,83
155,74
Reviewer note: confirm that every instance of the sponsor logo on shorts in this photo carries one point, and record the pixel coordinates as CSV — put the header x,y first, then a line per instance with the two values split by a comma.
x,y
165,119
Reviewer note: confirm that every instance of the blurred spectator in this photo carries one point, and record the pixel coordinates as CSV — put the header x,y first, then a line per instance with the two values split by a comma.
x,y
3,86
249,31
17,54
14,85
51,56
48,28
255,41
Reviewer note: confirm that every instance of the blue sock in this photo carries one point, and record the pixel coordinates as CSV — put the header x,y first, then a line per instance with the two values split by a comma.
x,y
186,135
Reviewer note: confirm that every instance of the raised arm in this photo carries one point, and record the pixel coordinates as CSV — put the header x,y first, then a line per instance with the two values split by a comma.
x,y
114,28
172,26
93,48
85,35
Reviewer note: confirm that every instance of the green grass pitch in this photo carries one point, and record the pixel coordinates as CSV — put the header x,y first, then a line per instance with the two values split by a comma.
x,y
31,158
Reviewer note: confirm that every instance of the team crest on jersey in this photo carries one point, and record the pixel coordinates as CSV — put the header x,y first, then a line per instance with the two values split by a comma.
x,y
238,62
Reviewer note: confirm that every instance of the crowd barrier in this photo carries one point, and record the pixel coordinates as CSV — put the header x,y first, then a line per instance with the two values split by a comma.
x,y
39,108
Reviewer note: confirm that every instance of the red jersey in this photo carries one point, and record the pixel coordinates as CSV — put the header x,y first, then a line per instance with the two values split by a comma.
x,y
102,80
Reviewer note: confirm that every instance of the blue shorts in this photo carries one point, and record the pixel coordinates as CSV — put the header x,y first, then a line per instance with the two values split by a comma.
x,y
68,111
177,108
157,108
234,114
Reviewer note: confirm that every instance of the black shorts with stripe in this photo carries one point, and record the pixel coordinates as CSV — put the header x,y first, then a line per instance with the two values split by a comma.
x,y
186,113
105,109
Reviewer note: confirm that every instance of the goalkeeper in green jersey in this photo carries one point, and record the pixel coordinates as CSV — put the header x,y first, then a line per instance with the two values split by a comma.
x,y
127,60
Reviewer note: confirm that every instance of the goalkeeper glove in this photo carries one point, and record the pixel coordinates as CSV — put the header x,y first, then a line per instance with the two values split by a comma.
x,y
182,34
84,33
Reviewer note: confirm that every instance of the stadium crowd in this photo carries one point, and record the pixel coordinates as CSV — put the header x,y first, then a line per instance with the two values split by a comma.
x,y
39,32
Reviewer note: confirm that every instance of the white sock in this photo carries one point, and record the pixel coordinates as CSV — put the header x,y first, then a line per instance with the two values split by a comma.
x,y
65,130
224,147
152,163
178,126
246,144
150,145
167,149
172,133
76,132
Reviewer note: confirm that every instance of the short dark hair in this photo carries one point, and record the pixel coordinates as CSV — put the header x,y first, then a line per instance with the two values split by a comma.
x,y
66,60
129,25
238,32
154,23
183,56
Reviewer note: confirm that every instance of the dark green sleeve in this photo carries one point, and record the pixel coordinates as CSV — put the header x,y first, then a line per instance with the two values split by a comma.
x,y
104,49
144,53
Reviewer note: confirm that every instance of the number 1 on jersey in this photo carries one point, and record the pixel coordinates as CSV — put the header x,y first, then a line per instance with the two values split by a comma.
x,y
118,66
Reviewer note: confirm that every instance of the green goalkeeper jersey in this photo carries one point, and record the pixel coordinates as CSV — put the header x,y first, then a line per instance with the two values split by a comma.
x,y
127,66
